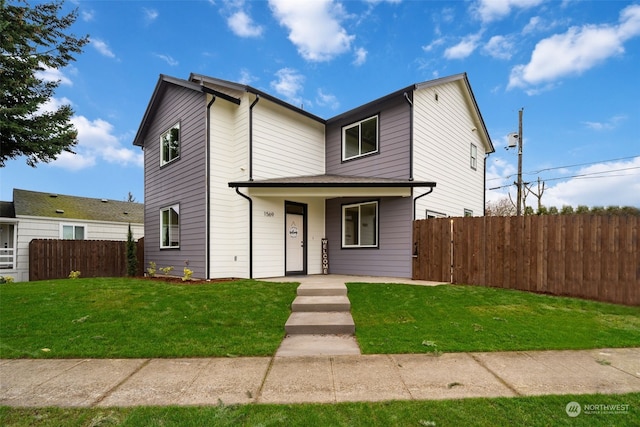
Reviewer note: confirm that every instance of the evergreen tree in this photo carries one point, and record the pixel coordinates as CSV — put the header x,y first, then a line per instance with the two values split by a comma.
x,y
132,260
33,40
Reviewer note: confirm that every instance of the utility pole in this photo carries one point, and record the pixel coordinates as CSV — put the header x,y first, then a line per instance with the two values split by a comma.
x,y
519,201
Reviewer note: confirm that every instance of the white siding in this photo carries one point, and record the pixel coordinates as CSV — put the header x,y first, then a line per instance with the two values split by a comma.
x,y
443,133
29,228
285,143
229,218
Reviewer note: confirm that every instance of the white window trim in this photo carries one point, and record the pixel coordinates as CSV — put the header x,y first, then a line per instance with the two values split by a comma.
x,y
433,214
468,212
474,156
377,225
164,162
358,123
176,208
74,225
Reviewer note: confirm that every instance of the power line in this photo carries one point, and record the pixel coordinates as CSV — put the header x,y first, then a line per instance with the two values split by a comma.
x,y
567,166
580,176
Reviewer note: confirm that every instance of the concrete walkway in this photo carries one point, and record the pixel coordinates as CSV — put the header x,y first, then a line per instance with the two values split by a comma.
x,y
324,378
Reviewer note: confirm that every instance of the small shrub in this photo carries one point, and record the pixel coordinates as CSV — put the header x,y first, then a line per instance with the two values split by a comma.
x,y
6,279
187,274
151,270
74,274
166,270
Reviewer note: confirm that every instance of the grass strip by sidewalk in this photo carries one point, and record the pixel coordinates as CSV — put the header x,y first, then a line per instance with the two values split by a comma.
x,y
394,319
618,410
128,318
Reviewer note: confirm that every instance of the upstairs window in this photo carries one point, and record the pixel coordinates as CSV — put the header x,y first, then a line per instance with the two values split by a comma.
x,y
170,145
359,139
474,157
360,225
170,227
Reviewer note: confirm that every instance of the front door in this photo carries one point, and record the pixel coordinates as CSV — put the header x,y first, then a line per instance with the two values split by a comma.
x,y
295,238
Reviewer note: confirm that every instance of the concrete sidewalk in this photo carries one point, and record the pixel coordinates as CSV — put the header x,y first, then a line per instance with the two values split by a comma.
x,y
320,379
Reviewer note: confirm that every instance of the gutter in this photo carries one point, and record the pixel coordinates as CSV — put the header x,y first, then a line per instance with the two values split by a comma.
x,y
250,231
416,200
207,260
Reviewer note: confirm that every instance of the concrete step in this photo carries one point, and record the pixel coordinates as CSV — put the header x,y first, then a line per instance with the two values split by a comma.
x,y
321,303
319,323
322,289
318,345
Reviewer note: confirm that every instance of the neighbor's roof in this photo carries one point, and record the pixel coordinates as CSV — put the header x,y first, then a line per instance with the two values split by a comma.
x,y
333,181
37,204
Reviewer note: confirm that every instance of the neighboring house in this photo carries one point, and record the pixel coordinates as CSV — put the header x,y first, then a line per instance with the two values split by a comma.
x,y
35,215
239,183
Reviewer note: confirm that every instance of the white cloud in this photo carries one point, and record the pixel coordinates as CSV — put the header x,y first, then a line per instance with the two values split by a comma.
x,y
150,15
289,85
103,48
87,15
361,56
246,78
167,58
492,10
327,100
463,49
603,184
96,142
49,74
314,27
610,124
242,25
576,51
499,47
433,44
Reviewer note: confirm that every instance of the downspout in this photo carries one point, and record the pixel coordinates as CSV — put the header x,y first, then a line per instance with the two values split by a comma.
x,y
250,231
207,262
406,96
484,179
253,104
415,201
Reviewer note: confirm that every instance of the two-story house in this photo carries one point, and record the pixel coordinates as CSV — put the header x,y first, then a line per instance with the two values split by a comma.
x,y
239,183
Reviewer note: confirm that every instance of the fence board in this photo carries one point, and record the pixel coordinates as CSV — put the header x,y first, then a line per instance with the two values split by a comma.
x,y
587,256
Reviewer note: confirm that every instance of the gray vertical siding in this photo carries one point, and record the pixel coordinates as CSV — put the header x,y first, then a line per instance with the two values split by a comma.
x,y
181,182
392,160
392,258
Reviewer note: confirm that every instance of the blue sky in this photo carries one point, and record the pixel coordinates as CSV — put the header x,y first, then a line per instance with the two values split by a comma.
x,y
571,65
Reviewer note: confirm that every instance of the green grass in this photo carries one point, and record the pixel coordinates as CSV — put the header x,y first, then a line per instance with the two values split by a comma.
x,y
126,318
529,411
392,318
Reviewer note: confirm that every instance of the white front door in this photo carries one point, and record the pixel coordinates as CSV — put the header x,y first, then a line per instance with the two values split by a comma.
x,y
294,235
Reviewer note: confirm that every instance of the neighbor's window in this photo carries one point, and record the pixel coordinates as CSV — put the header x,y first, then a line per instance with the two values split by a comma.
x,y
360,225
170,227
360,138
170,144
474,156
468,212
72,232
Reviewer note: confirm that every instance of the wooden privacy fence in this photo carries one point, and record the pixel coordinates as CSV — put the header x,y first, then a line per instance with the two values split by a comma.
x,y
55,259
588,256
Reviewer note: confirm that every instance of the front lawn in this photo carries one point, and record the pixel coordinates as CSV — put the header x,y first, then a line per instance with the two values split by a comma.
x,y
392,318
122,317
610,410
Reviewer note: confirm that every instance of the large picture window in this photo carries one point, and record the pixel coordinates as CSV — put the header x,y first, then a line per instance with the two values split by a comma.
x,y
170,145
360,225
359,139
170,227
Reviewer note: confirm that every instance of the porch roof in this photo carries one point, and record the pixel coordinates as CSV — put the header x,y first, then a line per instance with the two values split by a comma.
x,y
332,186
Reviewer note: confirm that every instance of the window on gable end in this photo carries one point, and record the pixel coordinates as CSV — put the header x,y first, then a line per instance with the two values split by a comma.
x,y
360,138
474,157
170,144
